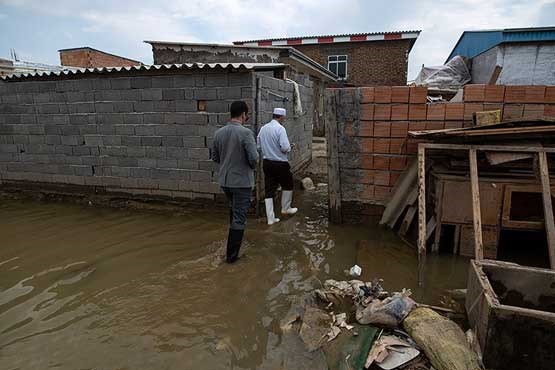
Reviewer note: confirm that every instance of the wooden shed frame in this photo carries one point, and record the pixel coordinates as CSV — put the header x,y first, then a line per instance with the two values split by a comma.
x,y
541,153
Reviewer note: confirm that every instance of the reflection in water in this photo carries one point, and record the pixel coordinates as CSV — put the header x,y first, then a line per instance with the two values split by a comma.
x,y
86,288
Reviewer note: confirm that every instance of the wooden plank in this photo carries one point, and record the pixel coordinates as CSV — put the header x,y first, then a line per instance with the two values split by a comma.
x,y
476,212
259,170
407,220
332,136
430,227
547,207
401,196
495,75
499,148
421,213
439,208
495,158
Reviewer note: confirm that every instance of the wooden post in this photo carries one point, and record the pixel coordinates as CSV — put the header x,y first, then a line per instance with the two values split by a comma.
x,y
258,117
332,137
439,209
421,213
547,207
476,212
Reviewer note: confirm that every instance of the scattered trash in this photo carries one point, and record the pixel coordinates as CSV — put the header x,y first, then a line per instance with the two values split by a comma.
x,y
314,328
390,352
389,312
333,333
307,183
355,271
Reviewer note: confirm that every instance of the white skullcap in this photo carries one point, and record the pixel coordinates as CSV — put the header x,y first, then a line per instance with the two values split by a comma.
x,y
280,111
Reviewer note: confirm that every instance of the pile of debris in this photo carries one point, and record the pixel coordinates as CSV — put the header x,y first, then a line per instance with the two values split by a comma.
x,y
359,325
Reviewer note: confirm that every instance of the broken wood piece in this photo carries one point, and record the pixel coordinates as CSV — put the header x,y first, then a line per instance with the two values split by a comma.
x,y
547,207
421,212
495,158
476,213
407,220
439,208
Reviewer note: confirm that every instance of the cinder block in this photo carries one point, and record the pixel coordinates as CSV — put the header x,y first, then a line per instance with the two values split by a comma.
x,y
104,107
79,96
81,108
143,106
128,162
162,81
72,140
107,95
165,130
157,152
167,184
133,118
186,106
82,170
145,130
63,149
198,153
240,79
173,94
229,93
83,85
121,171
113,151
187,164
194,142
151,94
186,80
111,140
53,139
153,118
90,160
125,129
147,162
130,140
166,163
186,118
216,79
175,141
164,106
141,82
200,176
120,83
136,151
151,140
178,153
130,95
205,94
41,139
123,107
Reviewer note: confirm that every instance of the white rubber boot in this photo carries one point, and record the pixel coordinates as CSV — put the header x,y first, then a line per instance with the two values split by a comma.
x,y
286,198
269,202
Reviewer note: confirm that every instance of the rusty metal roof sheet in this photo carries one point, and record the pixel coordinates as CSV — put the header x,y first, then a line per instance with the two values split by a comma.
x,y
154,67
328,36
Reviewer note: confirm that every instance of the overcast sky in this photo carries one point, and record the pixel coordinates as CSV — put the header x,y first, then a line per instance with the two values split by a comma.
x,y
37,29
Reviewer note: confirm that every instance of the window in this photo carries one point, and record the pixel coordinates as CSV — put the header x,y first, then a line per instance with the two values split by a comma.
x,y
338,65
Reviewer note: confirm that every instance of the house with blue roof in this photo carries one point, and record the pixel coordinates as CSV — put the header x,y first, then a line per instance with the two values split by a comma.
x,y
516,56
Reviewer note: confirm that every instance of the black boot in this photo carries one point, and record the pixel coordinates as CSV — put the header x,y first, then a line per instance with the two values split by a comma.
x,y
234,240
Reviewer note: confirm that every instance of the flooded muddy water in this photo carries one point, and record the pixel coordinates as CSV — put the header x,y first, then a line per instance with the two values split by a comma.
x,y
97,288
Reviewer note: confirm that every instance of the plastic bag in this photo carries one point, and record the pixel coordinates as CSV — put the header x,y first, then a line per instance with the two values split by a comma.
x,y
389,312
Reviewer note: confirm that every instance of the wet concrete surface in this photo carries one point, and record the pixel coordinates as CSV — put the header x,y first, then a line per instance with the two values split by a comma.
x,y
99,288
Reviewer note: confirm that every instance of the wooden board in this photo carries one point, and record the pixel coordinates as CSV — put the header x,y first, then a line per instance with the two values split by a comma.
x,y
547,207
334,183
421,213
476,211
438,201
407,220
457,202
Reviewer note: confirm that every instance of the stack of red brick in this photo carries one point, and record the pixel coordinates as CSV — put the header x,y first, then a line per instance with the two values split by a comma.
x,y
370,168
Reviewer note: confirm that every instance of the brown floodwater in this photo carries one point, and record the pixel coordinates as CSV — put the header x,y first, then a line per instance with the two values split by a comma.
x,y
99,288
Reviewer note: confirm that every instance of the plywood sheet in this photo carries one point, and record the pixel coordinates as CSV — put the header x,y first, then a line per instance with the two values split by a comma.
x,y
457,202
490,239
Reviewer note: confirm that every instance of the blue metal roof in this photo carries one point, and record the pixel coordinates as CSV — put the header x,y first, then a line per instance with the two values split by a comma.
x,y
472,43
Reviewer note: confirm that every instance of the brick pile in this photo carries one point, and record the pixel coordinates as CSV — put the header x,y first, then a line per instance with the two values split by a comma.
x,y
374,148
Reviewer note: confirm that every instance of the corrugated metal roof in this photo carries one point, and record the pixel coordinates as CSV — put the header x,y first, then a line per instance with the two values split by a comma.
x,y
324,36
472,43
154,67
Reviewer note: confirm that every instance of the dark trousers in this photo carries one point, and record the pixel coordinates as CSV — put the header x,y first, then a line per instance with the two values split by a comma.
x,y
239,203
276,173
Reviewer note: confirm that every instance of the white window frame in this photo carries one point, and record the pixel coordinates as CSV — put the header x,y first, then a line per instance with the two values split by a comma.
x,y
337,61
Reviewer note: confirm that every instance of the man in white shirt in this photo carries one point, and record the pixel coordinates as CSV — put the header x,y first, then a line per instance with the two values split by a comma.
x,y
272,140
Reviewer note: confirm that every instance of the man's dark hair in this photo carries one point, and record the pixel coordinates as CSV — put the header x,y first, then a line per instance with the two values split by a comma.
x,y
237,108
275,116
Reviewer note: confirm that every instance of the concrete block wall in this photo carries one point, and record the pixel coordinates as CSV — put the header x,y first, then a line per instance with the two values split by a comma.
x,y
299,128
373,122
135,133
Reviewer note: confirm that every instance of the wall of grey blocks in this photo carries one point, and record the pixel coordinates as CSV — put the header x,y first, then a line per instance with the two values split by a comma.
x,y
136,133
299,128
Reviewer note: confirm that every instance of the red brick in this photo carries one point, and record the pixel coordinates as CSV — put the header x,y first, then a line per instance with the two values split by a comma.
x,y
367,112
535,94
382,129
494,93
381,178
366,129
453,124
382,112
454,111
513,111
417,112
381,192
435,125
398,162
436,112
397,146
549,110
399,112
515,94
418,94
394,177
367,162
382,94
471,108
367,145
533,111
399,94
550,94
381,146
367,94
399,129
349,128
417,125
412,146
474,93
381,162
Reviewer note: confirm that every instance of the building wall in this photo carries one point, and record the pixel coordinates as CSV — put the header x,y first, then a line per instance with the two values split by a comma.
x,y
372,63
373,123
87,58
523,64
135,134
170,54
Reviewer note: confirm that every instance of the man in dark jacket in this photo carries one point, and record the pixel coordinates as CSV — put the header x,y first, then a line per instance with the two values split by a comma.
x,y
235,151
